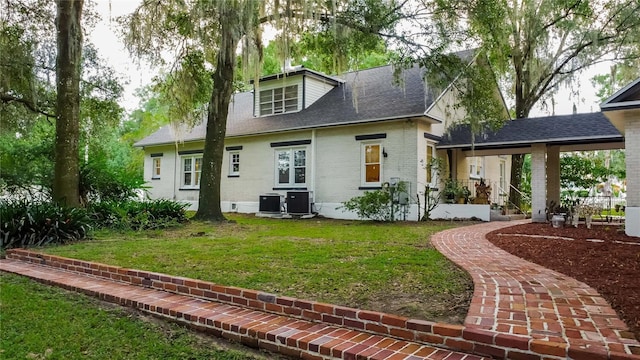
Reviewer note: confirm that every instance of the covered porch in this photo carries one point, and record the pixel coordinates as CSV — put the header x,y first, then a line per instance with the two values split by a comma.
x,y
545,138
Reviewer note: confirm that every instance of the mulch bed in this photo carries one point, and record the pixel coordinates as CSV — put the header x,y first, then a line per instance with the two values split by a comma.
x,y
602,257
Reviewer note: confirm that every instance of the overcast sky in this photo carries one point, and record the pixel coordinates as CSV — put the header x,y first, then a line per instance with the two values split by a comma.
x,y
112,50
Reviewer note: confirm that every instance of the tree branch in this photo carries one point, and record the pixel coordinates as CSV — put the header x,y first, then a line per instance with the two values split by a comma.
x,y
6,98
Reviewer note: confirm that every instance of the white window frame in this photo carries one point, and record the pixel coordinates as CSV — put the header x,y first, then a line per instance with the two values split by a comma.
x,y
363,169
234,159
503,175
156,167
275,101
475,163
195,175
430,171
291,167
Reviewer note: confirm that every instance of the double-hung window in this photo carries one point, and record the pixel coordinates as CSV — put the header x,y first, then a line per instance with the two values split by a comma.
x,y
279,100
234,163
476,168
157,161
431,168
191,170
291,167
371,164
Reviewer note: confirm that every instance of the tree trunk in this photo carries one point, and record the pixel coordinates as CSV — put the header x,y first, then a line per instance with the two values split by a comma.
x,y
68,65
209,199
517,160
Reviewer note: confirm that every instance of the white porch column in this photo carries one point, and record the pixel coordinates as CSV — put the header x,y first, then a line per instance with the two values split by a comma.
x,y
553,174
538,182
632,153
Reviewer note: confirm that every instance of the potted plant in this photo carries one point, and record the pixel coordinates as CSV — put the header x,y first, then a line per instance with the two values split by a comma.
x,y
450,191
587,211
463,194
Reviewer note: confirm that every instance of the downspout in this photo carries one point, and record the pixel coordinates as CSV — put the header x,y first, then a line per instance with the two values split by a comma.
x,y
313,165
176,170
304,92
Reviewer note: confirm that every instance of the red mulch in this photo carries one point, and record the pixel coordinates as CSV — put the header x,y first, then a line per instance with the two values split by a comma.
x,y
613,269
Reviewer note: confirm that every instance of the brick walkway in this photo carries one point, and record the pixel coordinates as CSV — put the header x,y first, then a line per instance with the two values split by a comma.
x,y
514,296
259,329
519,310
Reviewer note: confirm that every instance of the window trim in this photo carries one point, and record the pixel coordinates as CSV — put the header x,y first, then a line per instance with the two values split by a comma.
x,y
231,163
293,103
194,173
291,184
363,165
156,169
474,165
434,172
503,174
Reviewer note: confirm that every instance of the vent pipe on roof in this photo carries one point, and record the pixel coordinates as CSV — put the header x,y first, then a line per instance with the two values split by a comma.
x,y
289,68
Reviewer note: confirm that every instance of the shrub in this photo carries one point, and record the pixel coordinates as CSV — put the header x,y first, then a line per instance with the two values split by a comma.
x,y
35,224
99,182
136,215
372,205
376,205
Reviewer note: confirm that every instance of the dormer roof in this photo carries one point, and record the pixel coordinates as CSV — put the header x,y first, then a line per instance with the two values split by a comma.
x,y
300,70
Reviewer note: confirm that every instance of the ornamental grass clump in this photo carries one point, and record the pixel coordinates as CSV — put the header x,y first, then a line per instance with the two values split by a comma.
x,y
25,224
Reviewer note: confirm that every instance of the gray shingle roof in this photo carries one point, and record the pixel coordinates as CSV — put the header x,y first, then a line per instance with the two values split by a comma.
x,y
625,98
377,98
559,129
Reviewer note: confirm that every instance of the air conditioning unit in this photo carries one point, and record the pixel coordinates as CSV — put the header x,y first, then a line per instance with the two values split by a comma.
x,y
269,203
299,202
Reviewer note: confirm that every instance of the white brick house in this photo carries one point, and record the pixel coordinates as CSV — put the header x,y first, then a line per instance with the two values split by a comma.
x,y
308,132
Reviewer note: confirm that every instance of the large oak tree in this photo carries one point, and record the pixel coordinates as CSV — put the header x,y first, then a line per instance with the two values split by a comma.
x,y
49,76
205,36
68,69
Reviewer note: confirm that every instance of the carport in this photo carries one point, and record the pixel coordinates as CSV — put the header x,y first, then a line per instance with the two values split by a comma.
x,y
545,138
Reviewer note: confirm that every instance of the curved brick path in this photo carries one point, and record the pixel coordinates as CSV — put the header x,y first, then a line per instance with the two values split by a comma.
x,y
515,296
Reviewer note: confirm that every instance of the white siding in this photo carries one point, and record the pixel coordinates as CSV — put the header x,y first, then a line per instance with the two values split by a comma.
x,y
278,83
257,167
334,155
161,187
339,158
314,90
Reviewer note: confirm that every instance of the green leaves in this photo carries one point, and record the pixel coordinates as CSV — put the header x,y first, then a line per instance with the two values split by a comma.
x,y
137,215
25,223
37,224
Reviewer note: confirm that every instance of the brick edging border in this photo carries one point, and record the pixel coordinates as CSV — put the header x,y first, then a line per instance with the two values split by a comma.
x,y
452,337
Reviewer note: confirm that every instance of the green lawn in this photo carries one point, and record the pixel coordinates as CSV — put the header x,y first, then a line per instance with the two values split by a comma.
x,y
42,322
377,266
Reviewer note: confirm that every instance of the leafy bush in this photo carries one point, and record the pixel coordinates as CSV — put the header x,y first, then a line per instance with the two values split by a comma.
x,y
377,205
136,215
35,224
99,182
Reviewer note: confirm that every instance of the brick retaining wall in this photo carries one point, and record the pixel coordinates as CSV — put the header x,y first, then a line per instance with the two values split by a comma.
x,y
453,337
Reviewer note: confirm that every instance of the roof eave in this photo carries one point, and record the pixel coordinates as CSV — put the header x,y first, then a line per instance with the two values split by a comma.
x,y
505,144
627,105
345,123
611,101
303,71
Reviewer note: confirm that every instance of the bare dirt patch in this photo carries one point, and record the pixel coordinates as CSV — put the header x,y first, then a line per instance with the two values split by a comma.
x,y
602,257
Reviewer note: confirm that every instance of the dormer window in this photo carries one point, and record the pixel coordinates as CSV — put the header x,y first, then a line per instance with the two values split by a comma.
x,y
279,100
